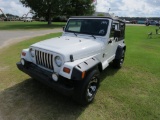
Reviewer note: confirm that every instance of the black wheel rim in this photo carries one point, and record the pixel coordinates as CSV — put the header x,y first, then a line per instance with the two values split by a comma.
x,y
92,88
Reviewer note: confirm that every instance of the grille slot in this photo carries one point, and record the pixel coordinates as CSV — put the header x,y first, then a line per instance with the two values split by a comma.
x,y
44,59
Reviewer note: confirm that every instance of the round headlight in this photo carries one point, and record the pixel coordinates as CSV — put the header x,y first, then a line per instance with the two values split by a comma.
x,y
32,52
58,61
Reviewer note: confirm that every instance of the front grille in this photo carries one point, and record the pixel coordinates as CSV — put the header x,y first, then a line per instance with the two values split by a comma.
x,y
44,59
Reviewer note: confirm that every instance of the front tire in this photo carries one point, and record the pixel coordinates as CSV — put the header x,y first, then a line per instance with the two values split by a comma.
x,y
87,89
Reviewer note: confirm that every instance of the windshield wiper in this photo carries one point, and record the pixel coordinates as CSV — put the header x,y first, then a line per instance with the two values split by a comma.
x,y
93,36
75,34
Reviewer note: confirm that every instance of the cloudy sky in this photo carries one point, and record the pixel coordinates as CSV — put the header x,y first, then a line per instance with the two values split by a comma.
x,y
129,8
13,7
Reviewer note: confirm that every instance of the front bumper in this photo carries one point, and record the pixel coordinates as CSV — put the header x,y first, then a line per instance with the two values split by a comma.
x,y
64,86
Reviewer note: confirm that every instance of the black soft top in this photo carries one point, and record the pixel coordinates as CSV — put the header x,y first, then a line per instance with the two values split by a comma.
x,y
113,18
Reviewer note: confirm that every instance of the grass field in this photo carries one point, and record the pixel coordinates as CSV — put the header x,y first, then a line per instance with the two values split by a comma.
x,y
131,93
20,25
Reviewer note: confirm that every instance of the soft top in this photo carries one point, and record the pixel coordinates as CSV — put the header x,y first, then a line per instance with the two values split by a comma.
x,y
109,17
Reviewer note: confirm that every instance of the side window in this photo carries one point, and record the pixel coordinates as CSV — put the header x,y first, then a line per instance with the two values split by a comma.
x,y
118,27
115,26
122,30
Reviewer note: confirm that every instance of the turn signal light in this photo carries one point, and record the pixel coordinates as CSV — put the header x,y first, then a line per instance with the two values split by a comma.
x,y
83,74
23,54
66,70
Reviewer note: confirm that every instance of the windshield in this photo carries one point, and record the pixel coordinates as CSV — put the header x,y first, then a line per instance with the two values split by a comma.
x,y
88,26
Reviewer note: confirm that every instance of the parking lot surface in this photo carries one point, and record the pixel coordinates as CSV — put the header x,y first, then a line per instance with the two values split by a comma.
x,y
8,37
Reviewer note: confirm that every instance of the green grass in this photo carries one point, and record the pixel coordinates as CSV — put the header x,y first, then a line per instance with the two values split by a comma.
x,y
20,25
131,93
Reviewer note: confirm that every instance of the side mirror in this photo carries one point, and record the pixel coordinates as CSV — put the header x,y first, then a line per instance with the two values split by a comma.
x,y
117,33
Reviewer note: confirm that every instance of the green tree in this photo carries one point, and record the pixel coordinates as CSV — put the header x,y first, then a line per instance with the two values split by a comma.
x,y
50,8
79,7
100,14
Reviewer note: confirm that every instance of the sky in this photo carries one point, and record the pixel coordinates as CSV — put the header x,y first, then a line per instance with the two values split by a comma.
x,y
130,8
121,8
13,7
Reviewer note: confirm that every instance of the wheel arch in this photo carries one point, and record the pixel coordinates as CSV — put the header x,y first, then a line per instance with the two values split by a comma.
x,y
119,50
100,68
86,66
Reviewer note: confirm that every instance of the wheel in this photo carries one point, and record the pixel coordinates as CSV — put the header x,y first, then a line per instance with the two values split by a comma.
x,y
86,90
117,63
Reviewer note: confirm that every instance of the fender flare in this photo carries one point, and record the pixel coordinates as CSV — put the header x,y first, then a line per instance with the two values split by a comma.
x,y
86,66
119,50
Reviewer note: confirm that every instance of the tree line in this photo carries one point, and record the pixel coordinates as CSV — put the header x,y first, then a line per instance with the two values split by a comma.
x,y
53,8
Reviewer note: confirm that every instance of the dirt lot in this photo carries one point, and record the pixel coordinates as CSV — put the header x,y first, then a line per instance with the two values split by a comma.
x,y
8,37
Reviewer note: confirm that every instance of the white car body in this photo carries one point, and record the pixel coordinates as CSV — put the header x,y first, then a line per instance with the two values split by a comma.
x,y
77,51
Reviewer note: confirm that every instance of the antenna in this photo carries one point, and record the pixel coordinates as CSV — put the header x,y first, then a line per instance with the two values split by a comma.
x,y
109,10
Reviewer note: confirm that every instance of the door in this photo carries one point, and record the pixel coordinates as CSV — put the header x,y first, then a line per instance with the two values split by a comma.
x,y
111,45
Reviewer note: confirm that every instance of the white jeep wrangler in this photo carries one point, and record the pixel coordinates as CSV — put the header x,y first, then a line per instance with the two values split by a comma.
x,y
71,63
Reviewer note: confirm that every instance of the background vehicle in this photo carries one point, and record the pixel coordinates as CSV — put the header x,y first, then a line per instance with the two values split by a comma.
x,y
134,21
152,22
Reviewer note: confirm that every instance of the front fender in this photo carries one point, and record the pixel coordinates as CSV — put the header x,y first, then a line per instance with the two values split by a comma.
x,y
27,57
79,66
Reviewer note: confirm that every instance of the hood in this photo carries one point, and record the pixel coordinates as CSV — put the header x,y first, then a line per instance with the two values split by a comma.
x,y
66,46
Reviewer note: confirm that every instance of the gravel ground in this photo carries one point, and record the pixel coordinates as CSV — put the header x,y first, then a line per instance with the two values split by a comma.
x,y
8,37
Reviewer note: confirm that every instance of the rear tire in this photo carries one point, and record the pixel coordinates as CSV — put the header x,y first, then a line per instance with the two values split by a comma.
x,y
85,91
117,63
